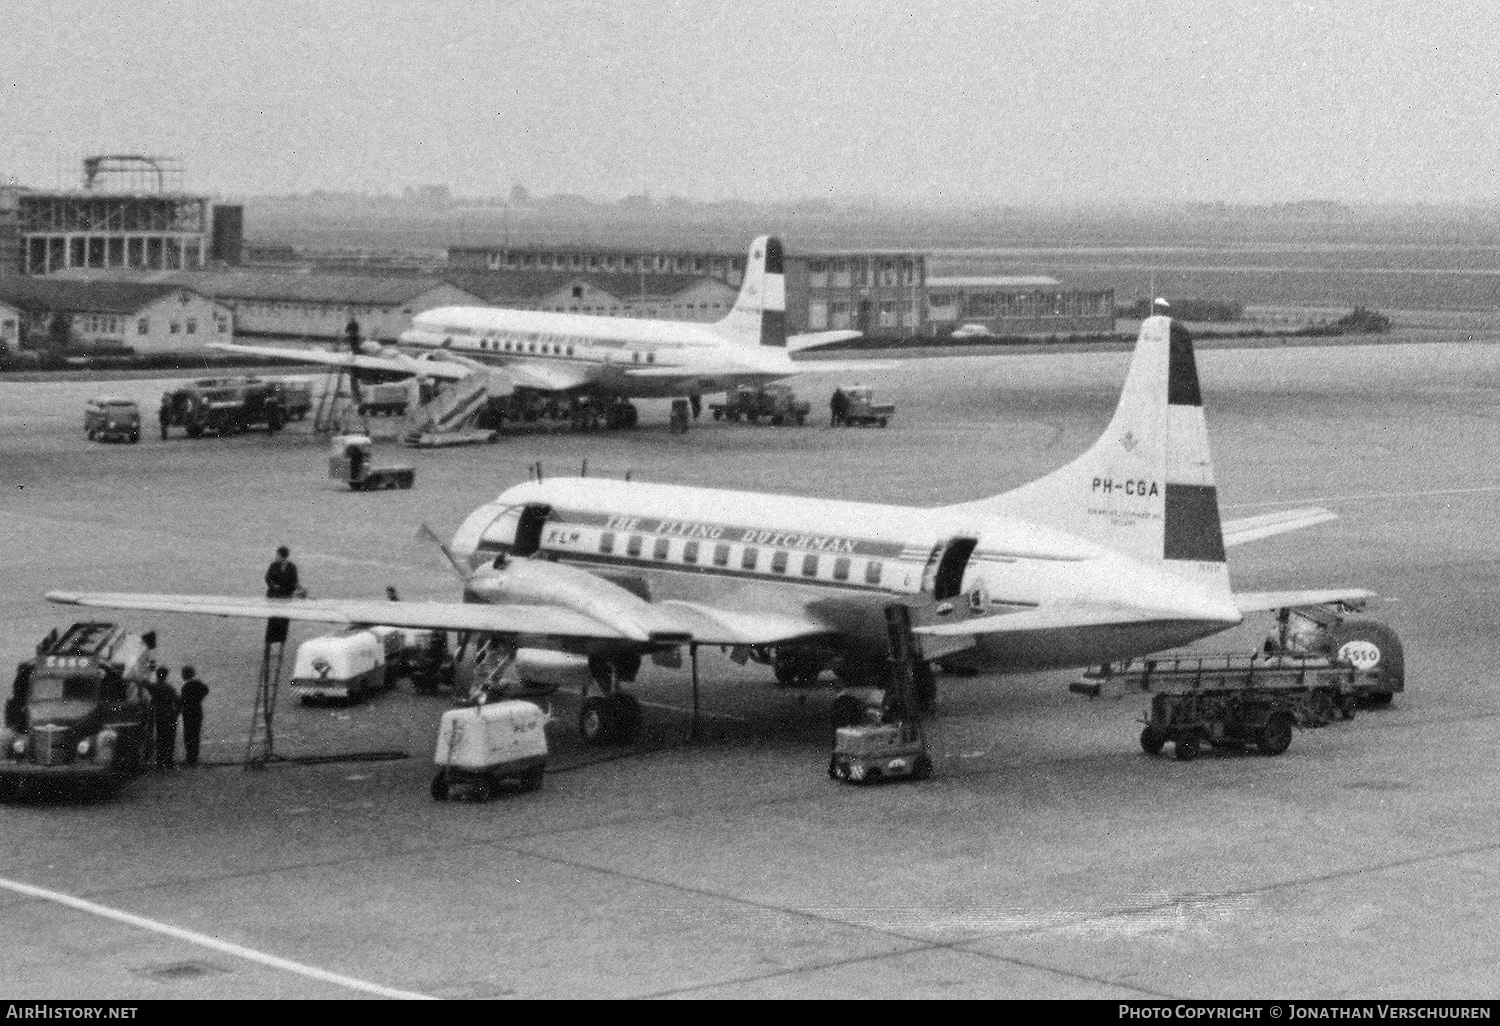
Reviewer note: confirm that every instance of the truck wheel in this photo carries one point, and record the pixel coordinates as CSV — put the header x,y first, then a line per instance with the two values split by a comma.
x,y
1185,749
1152,740
718,415
1372,647
874,775
135,436
194,430
778,421
596,721
922,768
1275,735
482,789
440,786
90,433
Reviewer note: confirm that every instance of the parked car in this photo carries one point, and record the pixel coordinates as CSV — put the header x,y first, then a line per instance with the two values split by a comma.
x,y
112,418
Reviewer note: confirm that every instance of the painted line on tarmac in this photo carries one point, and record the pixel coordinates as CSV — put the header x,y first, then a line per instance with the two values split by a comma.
x,y
203,940
1485,489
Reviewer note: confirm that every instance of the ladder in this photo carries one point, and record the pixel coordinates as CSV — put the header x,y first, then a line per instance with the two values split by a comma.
x,y
911,680
260,745
338,409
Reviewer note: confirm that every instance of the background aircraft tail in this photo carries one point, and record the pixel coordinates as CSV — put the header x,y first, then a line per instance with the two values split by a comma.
x,y
1146,487
759,314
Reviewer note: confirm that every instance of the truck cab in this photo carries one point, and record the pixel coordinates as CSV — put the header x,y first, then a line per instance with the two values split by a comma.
x,y
79,709
111,417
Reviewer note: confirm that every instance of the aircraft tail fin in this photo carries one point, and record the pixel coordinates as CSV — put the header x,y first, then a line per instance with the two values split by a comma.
x,y
1146,487
758,317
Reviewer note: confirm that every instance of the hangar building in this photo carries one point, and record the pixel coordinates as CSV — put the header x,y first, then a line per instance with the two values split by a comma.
x,y
307,306
115,315
678,297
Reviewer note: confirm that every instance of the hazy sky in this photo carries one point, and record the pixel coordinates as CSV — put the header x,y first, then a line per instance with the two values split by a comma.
x,y
1060,100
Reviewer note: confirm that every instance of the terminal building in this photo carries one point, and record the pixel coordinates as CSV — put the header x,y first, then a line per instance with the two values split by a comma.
x,y
878,292
110,316
1018,306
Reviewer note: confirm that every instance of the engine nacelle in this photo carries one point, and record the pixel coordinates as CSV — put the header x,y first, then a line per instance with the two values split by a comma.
x,y
540,582
554,669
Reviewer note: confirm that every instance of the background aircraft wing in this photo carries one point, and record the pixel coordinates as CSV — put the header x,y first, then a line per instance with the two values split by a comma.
x,y
1248,529
358,361
1042,619
514,620
1259,601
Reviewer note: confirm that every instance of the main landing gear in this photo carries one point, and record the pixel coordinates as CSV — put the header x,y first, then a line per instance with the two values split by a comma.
x,y
613,717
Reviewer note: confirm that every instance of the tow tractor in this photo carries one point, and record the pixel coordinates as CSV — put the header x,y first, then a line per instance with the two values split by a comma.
x,y
79,709
1317,668
350,462
892,742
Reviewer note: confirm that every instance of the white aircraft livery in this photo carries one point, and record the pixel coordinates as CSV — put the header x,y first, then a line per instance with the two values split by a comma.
x,y
613,358
1117,554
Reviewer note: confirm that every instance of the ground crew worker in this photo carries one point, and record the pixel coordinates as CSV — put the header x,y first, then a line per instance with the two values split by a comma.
x,y
838,407
194,691
281,582
697,403
351,332
164,415
390,593
164,715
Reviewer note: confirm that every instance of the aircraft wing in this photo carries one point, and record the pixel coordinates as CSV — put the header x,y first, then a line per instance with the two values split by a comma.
x,y
545,378
1045,618
710,625
1248,529
354,361
514,620
1259,601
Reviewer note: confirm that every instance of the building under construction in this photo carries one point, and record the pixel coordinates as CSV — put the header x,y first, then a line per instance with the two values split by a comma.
x,y
131,211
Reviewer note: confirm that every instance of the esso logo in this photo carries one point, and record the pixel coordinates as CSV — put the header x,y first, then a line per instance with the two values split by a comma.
x,y
1362,655
321,667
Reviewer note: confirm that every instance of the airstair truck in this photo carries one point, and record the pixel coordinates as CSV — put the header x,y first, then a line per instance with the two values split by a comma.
x,y
79,709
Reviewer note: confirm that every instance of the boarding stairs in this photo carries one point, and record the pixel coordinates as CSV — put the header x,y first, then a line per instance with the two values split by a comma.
x,y
452,411
337,411
260,745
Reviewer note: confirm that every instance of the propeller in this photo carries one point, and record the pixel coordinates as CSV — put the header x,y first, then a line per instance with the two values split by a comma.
x,y
465,573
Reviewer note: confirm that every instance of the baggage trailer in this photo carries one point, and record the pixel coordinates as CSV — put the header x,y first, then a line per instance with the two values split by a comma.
x,y
483,743
1235,702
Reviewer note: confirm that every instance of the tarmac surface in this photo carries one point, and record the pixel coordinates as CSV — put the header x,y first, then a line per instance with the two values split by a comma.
x,y
1048,857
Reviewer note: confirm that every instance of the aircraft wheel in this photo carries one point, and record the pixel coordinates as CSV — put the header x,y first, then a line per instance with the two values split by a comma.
x,y
626,712
1152,740
440,786
596,721
1275,736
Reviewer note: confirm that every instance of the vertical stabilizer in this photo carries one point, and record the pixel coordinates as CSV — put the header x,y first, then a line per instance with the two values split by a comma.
x,y
1146,487
759,314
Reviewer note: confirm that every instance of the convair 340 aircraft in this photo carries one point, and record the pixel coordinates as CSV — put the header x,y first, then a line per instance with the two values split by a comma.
x,y
615,359
1118,554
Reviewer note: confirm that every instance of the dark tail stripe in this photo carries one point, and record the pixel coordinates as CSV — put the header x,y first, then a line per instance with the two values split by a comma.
x,y
774,256
1182,370
1193,531
773,328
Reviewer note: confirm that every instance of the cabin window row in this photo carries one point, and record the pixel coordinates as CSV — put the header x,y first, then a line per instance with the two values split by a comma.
x,y
781,561
544,348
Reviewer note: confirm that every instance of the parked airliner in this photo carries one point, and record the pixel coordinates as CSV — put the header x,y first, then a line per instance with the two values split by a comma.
x,y
613,359
1117,554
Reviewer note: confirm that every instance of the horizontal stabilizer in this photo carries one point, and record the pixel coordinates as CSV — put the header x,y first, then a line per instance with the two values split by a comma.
x,y
810,339
1249,529
845,366
1259,601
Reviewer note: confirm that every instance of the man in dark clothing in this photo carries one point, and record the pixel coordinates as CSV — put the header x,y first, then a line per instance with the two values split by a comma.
x,y
194,691
351,333
164,416
20,694
281,583
838,407
164,715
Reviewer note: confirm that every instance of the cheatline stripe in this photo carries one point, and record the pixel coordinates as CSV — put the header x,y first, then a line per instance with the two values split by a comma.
x,y
203,940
